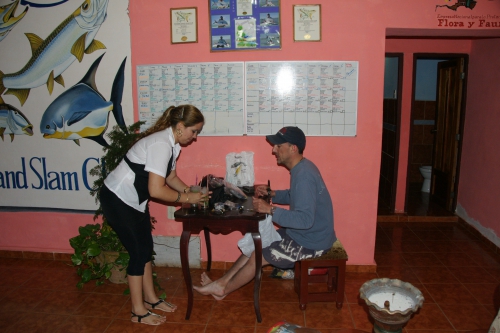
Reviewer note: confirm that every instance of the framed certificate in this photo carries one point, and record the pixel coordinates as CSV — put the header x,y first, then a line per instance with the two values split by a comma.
x,y
183,25
307,23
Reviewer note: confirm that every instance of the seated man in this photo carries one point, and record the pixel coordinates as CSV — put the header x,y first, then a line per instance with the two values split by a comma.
x,y
306,228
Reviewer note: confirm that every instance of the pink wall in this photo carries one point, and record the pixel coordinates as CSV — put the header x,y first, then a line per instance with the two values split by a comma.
x,y
352,30
349,166
479,174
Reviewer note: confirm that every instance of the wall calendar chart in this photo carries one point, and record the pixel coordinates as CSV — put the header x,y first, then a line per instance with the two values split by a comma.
x,y
319,97
255,98
214,88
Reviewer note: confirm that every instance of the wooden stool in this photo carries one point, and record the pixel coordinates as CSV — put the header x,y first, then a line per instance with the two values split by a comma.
x,y
333,264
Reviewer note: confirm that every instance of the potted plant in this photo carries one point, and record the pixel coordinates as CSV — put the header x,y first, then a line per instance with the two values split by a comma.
x,y
98,252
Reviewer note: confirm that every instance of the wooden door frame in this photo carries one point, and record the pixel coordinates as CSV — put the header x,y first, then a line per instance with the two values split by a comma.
x,y
400,56
444,56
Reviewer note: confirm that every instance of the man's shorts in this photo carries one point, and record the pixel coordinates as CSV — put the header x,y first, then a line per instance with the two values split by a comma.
x,y
284,253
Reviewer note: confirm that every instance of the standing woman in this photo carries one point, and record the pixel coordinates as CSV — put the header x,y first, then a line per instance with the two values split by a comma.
x,y
148,166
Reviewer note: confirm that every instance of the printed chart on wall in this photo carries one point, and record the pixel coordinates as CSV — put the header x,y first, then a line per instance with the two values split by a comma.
x,y
217,89
255,98
319,97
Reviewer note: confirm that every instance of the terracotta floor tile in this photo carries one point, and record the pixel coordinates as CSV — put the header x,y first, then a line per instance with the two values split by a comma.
x,y
450,294
434,275
360,277
184,327
80,324
445,246
391,259
397,234
430,234
456,259
102,305
39,322
361,317
401,273
229,329
352,293
415,259
60,265
483,292
61,302
111,288
467,316
326,315
275,312
429,316
232,313
200,313
456,273
278,290
424,291
31,263
472,274
50,279
410,246
16,277
23,299
121,325
381,247
9,319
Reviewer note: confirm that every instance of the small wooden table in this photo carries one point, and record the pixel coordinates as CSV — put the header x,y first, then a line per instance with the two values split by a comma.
x,y
208,221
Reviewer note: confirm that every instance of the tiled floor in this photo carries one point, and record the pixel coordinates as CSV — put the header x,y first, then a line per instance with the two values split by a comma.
x,y
456,274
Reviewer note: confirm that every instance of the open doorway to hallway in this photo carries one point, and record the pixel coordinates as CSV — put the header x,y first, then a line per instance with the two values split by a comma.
x,y
436,126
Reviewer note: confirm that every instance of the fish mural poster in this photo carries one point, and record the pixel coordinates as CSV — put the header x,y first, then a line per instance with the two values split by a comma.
x,y
65,81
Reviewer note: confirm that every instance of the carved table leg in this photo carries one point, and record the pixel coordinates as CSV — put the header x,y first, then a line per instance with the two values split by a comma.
x,y
209,248
258,274
184,249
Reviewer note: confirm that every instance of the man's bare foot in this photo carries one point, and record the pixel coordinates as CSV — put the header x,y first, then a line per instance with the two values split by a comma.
x,y
205,279
209,287
161,305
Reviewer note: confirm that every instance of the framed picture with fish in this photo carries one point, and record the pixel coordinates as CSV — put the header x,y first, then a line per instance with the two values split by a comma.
x,y
307,23
244,25
183,25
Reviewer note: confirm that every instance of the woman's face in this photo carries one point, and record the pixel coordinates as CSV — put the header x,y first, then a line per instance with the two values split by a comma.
x,y
188,133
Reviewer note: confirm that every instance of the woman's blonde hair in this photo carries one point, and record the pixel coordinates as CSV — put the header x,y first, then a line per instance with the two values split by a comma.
x,y
187,114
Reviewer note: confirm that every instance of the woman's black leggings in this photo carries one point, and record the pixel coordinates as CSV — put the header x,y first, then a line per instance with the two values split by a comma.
x,y
132,227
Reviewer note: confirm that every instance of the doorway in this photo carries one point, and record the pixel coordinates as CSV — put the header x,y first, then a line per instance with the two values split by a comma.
x,y
428,146
437,115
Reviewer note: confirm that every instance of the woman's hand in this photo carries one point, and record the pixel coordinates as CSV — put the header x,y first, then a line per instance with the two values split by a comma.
x,y
196,197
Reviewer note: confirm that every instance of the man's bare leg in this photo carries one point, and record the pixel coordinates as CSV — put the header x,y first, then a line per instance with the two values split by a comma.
x,y
242,272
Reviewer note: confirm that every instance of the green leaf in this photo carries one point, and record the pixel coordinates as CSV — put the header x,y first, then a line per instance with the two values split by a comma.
x,y
76,259
86,275
93,250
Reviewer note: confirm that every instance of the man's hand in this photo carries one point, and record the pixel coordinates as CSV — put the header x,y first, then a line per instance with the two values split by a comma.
x,y
261,206
261,191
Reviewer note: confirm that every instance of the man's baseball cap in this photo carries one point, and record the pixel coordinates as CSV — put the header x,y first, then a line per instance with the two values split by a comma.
x,y
290,134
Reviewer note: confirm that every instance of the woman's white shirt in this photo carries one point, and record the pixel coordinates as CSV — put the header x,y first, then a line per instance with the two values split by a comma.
x,y
153,151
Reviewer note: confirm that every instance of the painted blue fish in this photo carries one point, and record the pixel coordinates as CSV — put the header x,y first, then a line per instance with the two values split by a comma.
x,y
52,56
13,122
82,112
7,18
